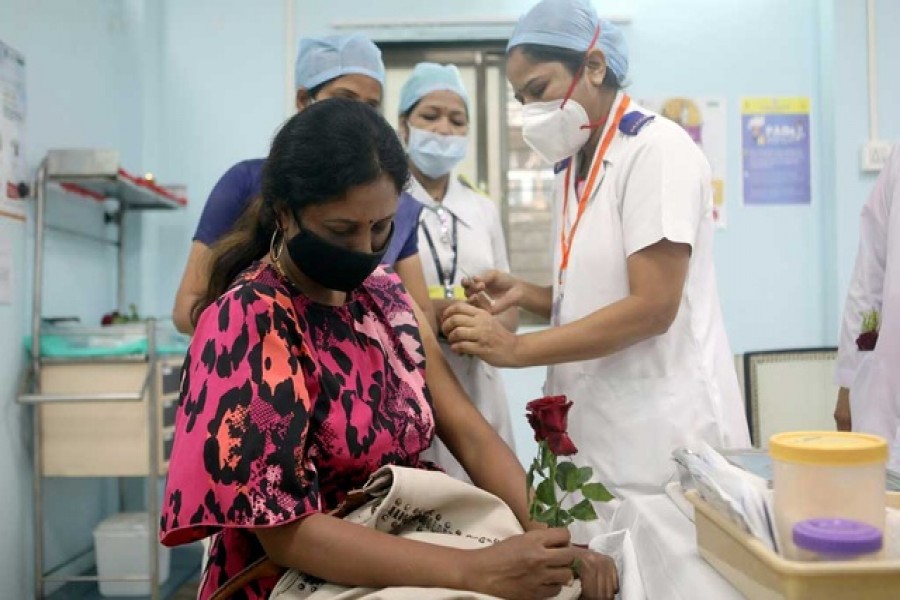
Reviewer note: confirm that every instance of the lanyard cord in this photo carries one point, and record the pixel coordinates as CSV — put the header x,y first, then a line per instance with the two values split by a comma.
x,y
446,278
566,241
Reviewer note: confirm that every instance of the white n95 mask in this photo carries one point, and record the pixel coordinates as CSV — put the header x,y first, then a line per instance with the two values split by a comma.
x,y
553,130
435,154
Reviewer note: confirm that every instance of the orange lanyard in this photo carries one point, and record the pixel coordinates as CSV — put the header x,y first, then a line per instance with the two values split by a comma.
x,y
565,242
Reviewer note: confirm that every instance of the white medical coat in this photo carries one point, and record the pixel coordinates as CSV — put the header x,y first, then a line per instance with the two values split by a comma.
x,y
481,247
872,376
632,408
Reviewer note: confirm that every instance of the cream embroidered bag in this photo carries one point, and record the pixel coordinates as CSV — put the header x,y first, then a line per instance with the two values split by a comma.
x,y
429,506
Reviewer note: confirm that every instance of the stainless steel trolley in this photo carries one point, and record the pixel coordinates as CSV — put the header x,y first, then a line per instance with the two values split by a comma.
x,y
136,390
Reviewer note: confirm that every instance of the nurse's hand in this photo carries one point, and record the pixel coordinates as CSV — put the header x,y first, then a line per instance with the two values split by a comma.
x,y
474,331
504,290
842,411
599,579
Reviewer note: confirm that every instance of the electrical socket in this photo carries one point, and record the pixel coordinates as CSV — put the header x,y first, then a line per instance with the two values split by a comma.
x,y
874,155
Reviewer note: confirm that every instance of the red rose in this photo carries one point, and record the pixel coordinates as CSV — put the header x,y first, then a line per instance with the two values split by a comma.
x,y
867,340
548,417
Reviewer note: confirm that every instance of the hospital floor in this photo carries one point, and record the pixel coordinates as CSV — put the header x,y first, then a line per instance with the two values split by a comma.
x,y
188,591
182,583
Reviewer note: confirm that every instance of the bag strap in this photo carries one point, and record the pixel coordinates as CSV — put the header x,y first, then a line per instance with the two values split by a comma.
x,y
262,567
266,567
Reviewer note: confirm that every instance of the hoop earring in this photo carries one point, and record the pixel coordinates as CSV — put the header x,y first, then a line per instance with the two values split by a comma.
x,y
273,255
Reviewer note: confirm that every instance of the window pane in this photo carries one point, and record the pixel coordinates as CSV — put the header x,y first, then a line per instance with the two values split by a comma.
x,y
529,204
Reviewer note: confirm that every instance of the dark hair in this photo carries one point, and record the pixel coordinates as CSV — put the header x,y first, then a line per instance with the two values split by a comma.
x,y
314,91
405,114
316,157
415,105
571,60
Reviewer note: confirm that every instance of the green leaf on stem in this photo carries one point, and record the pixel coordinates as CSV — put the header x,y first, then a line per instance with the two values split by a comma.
x,y
534,510
583,511
545,493
567,476
596,492
584,475
549,516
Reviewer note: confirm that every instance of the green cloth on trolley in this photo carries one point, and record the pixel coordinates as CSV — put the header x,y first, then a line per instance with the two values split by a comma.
x,y
88,346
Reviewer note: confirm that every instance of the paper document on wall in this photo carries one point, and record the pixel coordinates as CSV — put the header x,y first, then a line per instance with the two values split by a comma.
x,y
703,119
776,150
13,168
6,275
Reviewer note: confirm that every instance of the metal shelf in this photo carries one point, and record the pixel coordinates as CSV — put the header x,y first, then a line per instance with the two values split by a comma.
x,y
96,174
185,566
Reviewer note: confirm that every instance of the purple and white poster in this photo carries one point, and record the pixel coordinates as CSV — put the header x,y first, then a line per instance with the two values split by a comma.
x,y
775,151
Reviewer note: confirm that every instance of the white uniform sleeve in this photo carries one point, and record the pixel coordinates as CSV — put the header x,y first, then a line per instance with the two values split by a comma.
x,y
666,193
867,282
498,241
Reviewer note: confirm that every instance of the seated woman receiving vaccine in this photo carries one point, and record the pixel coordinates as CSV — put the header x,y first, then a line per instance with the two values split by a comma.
x,y
306,374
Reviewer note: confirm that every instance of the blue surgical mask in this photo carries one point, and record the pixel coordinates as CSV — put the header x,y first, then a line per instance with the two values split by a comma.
x,y
435,154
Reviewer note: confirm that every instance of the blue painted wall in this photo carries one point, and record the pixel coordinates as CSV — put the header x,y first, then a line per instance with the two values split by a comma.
x,y
83,91
850,123
217,99
768,259
782,270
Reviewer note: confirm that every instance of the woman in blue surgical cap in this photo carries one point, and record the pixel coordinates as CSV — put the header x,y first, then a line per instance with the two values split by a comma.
x,y
636,341
459,229
336,66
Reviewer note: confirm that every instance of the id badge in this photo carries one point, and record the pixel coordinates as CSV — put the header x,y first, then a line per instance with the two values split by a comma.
x,y
439,292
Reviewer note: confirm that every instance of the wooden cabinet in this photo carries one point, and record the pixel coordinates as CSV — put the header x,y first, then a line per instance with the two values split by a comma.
x,y
100,439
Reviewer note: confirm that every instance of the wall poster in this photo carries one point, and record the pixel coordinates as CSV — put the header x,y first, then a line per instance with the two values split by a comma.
x,y
775,150
13,168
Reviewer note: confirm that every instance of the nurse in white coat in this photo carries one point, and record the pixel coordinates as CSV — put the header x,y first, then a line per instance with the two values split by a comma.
x,y
869,398
459,229
637,340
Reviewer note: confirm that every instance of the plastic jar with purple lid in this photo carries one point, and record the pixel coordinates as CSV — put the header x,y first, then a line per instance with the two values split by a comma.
x,y
836,540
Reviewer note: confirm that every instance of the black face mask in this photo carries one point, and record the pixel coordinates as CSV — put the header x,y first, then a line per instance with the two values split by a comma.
x,y
330,265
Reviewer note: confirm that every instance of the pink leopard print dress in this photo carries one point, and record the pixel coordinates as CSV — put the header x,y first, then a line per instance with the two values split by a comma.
x,y
286,405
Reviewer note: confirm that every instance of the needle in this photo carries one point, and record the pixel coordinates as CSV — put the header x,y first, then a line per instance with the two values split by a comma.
x,y
471,278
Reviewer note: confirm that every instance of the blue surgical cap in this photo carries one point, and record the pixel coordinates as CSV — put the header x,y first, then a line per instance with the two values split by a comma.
x,y
571,24
322,59
430,77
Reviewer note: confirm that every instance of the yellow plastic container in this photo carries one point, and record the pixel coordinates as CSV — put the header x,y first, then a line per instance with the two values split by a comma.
x,y
760,574
827,474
